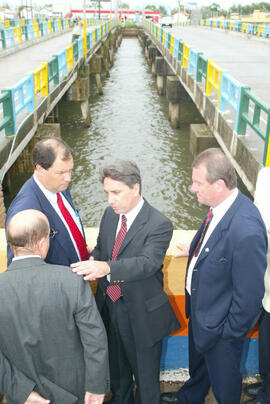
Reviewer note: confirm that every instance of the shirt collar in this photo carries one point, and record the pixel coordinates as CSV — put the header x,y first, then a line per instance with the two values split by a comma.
x,y
222,208
51,196
134,212
21,257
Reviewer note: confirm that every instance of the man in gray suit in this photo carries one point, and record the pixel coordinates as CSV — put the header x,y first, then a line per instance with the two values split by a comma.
x,y
51,329
128,259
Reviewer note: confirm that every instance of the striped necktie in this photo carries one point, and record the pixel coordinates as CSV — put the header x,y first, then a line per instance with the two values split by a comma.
x,y
114,291
207,221
75,231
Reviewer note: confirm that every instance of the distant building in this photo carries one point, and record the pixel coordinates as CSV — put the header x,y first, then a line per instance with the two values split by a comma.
x,y
180,17
6,13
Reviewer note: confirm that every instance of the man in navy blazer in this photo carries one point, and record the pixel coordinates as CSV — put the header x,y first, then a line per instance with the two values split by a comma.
x,y
224,283
53,163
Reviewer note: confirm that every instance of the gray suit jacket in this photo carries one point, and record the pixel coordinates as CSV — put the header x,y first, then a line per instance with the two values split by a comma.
x,y
52,332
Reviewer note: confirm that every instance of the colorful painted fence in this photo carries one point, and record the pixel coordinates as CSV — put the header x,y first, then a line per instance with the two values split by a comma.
x,y
23,96
15,32
250,112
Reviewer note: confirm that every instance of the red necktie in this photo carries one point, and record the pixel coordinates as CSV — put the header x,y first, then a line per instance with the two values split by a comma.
x,y
75,231
114,291
205,227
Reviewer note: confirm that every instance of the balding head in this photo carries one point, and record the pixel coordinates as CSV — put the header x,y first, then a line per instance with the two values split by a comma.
x,y
28,233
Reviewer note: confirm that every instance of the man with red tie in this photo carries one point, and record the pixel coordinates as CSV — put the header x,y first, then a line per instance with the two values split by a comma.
x,y
128,259
47,190
224,283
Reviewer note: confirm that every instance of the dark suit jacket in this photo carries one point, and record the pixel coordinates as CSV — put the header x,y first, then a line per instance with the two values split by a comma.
x,y
228,279
30,196
51,331
138,269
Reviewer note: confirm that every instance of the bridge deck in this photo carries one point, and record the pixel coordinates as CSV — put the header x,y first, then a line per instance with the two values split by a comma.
x,y
14,67
246,58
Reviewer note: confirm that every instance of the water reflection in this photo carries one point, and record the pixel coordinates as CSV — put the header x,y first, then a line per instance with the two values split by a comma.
x,y
130,121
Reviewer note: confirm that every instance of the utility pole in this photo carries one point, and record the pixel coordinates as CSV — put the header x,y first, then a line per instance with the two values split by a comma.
x,y
116,10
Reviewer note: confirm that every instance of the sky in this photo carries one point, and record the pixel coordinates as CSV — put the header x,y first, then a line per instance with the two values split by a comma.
x,y
133,3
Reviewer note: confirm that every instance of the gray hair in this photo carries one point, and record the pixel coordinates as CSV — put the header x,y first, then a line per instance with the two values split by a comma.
x,y
122,170
218,167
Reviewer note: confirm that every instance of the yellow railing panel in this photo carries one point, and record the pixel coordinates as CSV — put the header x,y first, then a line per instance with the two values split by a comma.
x,y
6,24
163,37
84,40
41,80
18,33
36,30
260,30
185,55
69,53
213,79
49,25
172,44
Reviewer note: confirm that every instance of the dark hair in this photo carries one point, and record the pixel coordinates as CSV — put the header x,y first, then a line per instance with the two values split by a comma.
x,y
218,167
29,234
46,151
122,170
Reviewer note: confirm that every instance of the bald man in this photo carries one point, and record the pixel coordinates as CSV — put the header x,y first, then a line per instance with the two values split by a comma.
x,y
51,329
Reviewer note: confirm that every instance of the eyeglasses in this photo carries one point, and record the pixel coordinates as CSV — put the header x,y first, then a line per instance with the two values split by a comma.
x,y
52,233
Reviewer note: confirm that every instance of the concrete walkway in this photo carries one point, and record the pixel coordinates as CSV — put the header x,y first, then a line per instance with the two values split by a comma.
x,y
15,66
245,57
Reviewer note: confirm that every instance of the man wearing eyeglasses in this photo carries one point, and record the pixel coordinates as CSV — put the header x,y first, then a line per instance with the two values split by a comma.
x,y
47,190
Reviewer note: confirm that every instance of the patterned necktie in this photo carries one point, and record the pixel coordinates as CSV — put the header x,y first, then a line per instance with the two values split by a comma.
x,y
114,291
205,227
75,231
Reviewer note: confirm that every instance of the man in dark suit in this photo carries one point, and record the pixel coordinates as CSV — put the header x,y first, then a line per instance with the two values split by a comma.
x,y
51,329
224,283
128,259
53,164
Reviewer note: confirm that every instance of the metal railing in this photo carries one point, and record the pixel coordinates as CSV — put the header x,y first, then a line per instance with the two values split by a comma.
x,y
249,110
23,95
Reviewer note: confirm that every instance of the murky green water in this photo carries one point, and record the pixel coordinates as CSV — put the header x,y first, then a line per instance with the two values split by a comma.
x,y
130,121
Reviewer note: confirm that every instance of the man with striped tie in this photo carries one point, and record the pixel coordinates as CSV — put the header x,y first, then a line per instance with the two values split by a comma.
x,y
47,190
128,259
224,283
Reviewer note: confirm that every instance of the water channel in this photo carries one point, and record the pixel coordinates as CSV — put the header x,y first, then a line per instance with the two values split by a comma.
x,y
130,121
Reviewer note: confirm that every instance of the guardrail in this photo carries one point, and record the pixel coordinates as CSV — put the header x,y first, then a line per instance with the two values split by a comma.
x,y
23,96
249,110
11,35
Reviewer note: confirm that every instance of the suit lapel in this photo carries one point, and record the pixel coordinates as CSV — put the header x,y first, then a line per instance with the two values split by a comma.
x,y
56,222
220,228
138,223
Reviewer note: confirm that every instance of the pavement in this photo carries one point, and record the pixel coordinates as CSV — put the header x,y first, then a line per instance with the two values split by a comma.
x,y
14,67
245,57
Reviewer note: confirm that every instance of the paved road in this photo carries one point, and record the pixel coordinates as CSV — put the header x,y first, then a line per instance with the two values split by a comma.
x,y
246,58
15,66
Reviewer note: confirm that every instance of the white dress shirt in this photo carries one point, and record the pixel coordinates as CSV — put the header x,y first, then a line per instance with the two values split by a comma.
x,y
52,198
131,216
218,213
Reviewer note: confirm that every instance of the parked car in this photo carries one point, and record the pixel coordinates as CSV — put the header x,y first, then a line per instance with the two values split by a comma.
x,y
166,22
